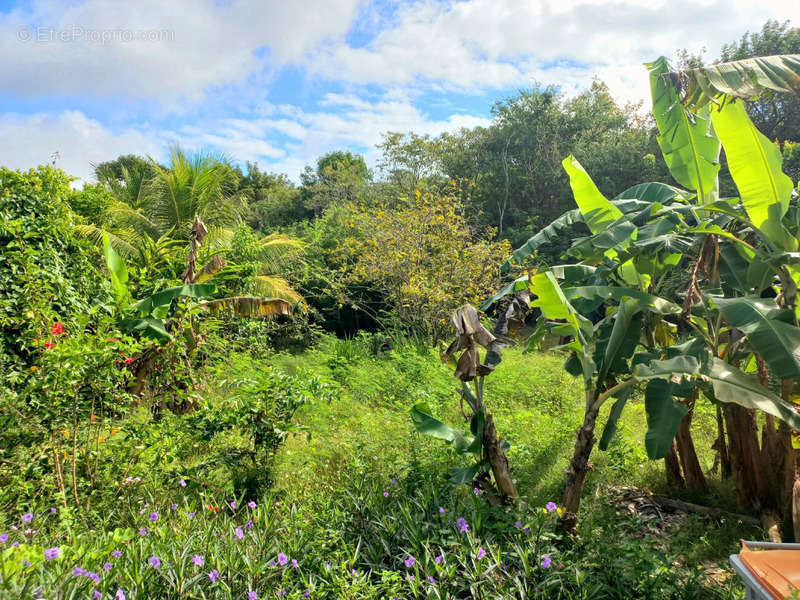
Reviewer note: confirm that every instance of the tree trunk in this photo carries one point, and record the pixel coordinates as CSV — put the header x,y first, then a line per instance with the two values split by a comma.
x,y
745,455
721,446
579,467
692,472
673,468
498,460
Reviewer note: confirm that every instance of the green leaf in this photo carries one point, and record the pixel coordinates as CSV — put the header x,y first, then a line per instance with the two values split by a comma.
x,y
149,327
770,330
756,167
117,272
741,78
613,417
427,424
690,151
607,292
622,342
598,213
663,417
653,192
463,475
546,235
196,290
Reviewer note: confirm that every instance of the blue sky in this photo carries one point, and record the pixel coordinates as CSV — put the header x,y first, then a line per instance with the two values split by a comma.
x,y
282,82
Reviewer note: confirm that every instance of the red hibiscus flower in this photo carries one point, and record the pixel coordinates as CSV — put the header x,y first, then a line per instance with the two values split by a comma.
x,y
49,345
57,328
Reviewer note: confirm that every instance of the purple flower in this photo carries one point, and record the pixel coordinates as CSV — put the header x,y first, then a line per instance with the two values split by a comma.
x,y
14,544
462,524
410,561
27,517
97,594
307,593
551,506
174,506
239,533
191,515
251,504
116,553
53,510
327,564
518,524
442,510
393,481
154,516
481,553
477,491
93,576
79,571
282,558
26,563
280,593
431,579
154,562
3,538
233,505
182,482
213,575
248,525
251,595
120,595
294,563
546,562
439,559
385,494
143,531
52,553
198,560
108,566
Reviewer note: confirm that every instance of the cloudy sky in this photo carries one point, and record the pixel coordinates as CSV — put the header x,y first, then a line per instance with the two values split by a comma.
x,y
281,82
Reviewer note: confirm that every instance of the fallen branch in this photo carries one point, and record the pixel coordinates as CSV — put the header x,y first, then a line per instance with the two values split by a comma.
x,y
706,511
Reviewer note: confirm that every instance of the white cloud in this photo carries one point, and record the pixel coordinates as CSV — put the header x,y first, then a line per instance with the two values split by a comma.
x,y
31,140
199,44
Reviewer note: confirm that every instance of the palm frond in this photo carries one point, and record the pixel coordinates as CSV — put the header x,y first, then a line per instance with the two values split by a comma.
x,y
245,306
273,286
95,234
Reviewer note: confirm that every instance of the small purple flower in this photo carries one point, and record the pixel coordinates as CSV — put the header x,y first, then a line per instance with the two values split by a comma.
x,y
116,553
410,561
393,481
174,506
191,515
213,575
271,563
307,593
481,553
154,562
53,510
442,510
14,544
120,595
477,491
251,595
251,504
97,594
385,494
294,564
248,525
327,564
518,524
551,506
439,559
198,560
280,593
143,531
26,563
282,558
27,517
93,576
52,553
233,505
239,533
3,538
153,516
462,525
79,571
546,562
108,566
431,579
182,482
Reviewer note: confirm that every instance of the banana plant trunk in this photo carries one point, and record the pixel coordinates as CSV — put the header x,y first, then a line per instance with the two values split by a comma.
x,y
579,466
498,461
693,475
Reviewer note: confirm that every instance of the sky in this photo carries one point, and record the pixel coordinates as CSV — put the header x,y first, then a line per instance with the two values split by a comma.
x,y
281,82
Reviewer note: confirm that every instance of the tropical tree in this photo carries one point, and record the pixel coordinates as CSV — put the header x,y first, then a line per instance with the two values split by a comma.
x,y
610,306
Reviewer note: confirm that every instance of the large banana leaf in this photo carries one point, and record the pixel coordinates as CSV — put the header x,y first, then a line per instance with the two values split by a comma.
x,y
598,213
770,330
690,151
544,236
197,290
608,292
243,306
663,417
652,192
740,79
755,165
729,384
118,273
622,340
613,417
